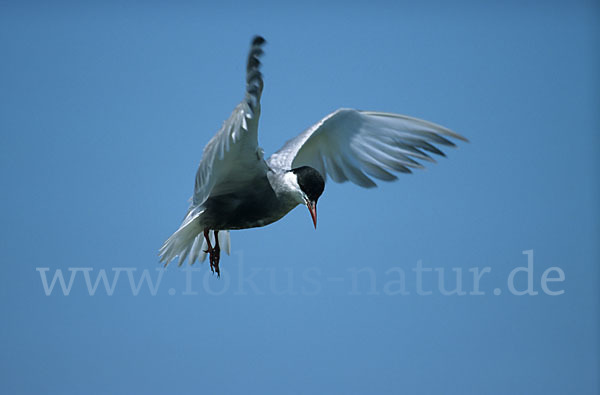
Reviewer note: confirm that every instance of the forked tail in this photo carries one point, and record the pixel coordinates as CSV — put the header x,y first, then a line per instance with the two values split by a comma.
x,y
188,242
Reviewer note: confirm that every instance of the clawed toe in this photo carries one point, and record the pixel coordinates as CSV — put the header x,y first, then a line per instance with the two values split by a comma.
x,y
214,261
214,253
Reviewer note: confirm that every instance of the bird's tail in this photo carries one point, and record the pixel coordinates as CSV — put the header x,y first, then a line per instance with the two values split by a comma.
x,y
189,240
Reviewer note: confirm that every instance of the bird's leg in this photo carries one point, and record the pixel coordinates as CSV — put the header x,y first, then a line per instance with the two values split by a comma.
x,y
214,253
209,250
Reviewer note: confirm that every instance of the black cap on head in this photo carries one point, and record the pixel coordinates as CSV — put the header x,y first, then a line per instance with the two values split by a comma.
x,y
310,181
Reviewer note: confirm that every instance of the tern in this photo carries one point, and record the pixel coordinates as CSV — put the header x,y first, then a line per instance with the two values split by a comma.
x,y
237,188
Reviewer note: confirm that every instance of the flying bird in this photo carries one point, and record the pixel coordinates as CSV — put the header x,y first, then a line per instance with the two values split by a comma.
x,y
237,188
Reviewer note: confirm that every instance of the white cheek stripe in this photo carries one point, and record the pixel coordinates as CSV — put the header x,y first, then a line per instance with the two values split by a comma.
x,y
291,182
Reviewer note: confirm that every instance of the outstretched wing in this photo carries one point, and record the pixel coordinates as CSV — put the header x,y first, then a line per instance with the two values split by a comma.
x,y
230,160
232,157
357,145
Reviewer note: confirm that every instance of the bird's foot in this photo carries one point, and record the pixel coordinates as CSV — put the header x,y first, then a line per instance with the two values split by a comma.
x,y
214,258
213,253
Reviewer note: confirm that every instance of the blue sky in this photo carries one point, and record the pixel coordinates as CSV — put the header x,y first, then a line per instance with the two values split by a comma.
x,y
104,113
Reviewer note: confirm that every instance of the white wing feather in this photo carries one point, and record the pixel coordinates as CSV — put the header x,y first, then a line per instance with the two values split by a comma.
x,y
230,157
357,145
229,160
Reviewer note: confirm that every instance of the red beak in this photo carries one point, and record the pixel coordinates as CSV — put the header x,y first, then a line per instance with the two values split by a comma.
x,y
312,207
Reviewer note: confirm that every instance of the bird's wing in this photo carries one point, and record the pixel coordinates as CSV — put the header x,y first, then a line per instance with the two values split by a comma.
x,y
357,145
232,157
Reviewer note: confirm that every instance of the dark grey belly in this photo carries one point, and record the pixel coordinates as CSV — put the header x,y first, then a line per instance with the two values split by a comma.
x,y
250,207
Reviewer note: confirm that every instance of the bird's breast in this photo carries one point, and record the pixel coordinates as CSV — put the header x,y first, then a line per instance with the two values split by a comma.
x,y
253,206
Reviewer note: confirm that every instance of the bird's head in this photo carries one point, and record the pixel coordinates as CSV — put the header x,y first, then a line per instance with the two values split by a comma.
x,y
310,187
